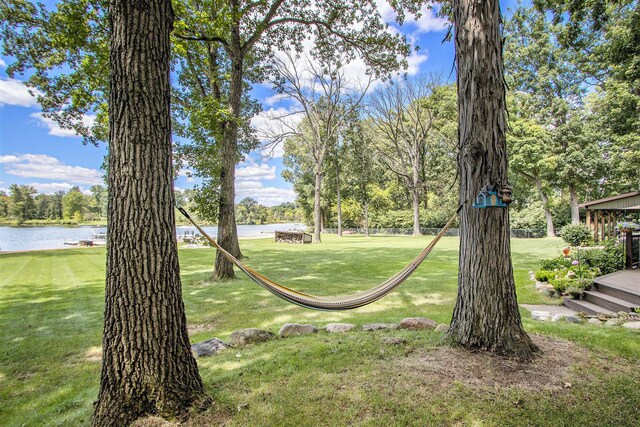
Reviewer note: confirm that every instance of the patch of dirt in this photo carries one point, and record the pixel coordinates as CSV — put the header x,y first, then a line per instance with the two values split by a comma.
x,y
94,354
200,327
214,416
480,370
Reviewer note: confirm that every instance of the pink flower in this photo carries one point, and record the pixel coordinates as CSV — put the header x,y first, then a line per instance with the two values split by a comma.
x,y
575,262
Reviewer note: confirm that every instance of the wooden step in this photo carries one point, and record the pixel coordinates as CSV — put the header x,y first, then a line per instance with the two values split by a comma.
x,y
585,306
626,294
608,301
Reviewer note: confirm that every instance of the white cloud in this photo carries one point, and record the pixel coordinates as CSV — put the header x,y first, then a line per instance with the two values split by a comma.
x,y
428,21
50,188
14,92
414,60
2,63
267,196
255,172
274,99
249,184
56,130
43,166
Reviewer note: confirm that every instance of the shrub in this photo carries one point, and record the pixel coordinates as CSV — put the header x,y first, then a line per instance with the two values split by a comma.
x,y
560,284
555,263
607,260
544,275
576,234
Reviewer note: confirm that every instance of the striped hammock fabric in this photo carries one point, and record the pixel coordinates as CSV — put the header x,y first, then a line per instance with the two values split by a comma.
x,y
328,303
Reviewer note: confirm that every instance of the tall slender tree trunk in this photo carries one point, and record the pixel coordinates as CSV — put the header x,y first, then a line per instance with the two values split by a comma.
x,y
366,218
415,196
486,315
338,199
545,207
147,365
316,208
573,201
227,228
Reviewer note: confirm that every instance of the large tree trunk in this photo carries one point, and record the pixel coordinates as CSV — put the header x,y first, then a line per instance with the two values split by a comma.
x,y
316,208
573,201
486,315
147,365
227,228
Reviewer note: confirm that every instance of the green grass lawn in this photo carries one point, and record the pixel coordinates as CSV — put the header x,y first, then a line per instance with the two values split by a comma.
x,y
51,305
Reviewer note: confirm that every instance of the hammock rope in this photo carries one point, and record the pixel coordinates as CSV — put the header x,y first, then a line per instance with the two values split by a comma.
x,y
328,303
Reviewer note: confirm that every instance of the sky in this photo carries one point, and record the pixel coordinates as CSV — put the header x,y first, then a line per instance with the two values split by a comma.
x,y
37,152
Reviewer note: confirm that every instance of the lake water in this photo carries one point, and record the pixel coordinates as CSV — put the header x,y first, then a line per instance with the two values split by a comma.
x,y
54,237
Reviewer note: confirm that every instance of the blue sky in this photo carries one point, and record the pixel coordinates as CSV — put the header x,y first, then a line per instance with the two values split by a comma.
x,y
35,151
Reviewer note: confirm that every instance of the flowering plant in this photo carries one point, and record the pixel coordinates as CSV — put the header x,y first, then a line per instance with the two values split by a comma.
x,y
627,226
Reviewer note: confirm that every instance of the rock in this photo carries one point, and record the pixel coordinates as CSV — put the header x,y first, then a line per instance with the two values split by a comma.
x,y
393,341
602,316
595,321
541,286
417,323
613,316
558,317
290,329
634,315
623,315
613,322
249,336
208,347
540,315
632,325
379,326
442,327
573,319
338,327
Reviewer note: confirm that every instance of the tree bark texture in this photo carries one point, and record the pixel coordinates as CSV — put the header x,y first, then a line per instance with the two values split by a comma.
x,y
415,196
486,315
227,228
366,219
147,365
316,208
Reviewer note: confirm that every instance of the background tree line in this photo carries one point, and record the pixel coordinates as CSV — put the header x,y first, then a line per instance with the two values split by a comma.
x,y
23,204
574,130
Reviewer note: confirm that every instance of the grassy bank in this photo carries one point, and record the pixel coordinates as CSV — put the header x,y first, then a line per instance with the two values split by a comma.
x,y
51,306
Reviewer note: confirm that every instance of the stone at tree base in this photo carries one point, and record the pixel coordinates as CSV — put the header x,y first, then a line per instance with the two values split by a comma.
x,y
208,347
338,327
291,329
540,315
417,323
573,319
595,321
442,327
558,317
613,322
249,336
379,326
632,325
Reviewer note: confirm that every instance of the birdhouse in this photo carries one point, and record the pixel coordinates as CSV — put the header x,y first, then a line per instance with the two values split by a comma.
x,y
488,197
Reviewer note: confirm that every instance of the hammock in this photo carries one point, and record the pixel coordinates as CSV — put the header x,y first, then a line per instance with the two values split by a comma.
x,y
328,303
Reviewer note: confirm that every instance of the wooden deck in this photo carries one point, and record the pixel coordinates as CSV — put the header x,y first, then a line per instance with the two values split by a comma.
x,y
611,293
